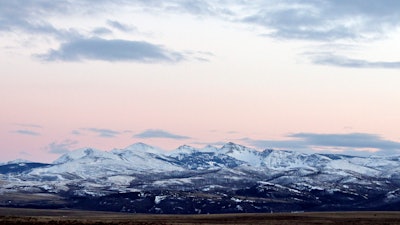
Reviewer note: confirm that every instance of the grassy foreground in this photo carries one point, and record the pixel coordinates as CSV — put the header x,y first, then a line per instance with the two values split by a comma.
x,y
36,216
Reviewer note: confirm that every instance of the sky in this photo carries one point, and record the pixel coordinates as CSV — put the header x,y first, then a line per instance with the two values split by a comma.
x,y
317,76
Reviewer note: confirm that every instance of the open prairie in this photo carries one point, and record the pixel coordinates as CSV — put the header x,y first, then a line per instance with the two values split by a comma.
x,y
38,216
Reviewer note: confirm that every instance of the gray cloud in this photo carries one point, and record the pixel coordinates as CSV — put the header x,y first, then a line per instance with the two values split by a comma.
x,y
23,153
199,55
352,143
154,133
28,125
120,26
17,15
288,19
111,50
27,129
105,133
284,144
326,19
34,18
101,31
61,147
352,140
217,143
196,7
27,132
315,20
342,61
76,132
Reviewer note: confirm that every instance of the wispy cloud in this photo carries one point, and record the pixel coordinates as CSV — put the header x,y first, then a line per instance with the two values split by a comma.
x,y
24,153
154,133
289,19
28,125
100,31
111,50
105,133
75,44
23,15
76,132
326,20
27,129
121,26
27,132
216,143
32,18
330,22
345,143
342,61
61,147
352,140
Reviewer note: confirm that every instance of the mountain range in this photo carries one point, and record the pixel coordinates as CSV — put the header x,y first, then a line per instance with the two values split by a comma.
x,y
230,179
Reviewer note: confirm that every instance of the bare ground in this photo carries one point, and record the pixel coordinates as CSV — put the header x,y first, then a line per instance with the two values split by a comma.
x,y
36,216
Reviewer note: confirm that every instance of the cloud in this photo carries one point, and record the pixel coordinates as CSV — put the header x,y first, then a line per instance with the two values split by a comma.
x,y
28,125
325,20
105,133
288,19
15,15
27,132
32,18
120,26
196,7
76,132
61,147
154,133
111,50
351,143
35,18
101,31
27,129
216,143
314,20
342,61
24,153
352,140
274,144
200,56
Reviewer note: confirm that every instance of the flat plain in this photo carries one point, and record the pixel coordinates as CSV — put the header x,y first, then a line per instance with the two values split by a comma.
x,y
44,216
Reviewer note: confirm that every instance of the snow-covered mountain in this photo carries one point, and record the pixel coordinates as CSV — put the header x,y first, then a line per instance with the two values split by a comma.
x,y
295,180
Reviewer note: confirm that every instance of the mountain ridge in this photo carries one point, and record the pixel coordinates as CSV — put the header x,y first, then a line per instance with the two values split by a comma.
x,y
240,178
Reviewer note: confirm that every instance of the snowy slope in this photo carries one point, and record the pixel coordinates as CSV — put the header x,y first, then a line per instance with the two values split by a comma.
x,y
140,157
140,167
248,155
91,163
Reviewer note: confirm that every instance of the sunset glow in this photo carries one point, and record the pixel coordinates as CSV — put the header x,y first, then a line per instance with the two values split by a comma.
x,y
315,76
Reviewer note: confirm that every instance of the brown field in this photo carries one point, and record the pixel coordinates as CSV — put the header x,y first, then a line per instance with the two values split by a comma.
x,y
22,198
35,216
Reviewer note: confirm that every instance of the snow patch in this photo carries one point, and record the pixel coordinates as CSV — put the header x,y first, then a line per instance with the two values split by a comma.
x,y
159,198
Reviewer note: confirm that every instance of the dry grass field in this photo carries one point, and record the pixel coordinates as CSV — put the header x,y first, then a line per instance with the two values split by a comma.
x,y
35,216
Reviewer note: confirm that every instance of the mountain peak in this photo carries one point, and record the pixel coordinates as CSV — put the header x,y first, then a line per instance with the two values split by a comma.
x,y
209,148
242,153
142,147
77,154
185,147
139,145
17,161
231,144
230,147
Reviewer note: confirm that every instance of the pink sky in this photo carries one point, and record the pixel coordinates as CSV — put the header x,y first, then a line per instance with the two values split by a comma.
x,y
169,75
